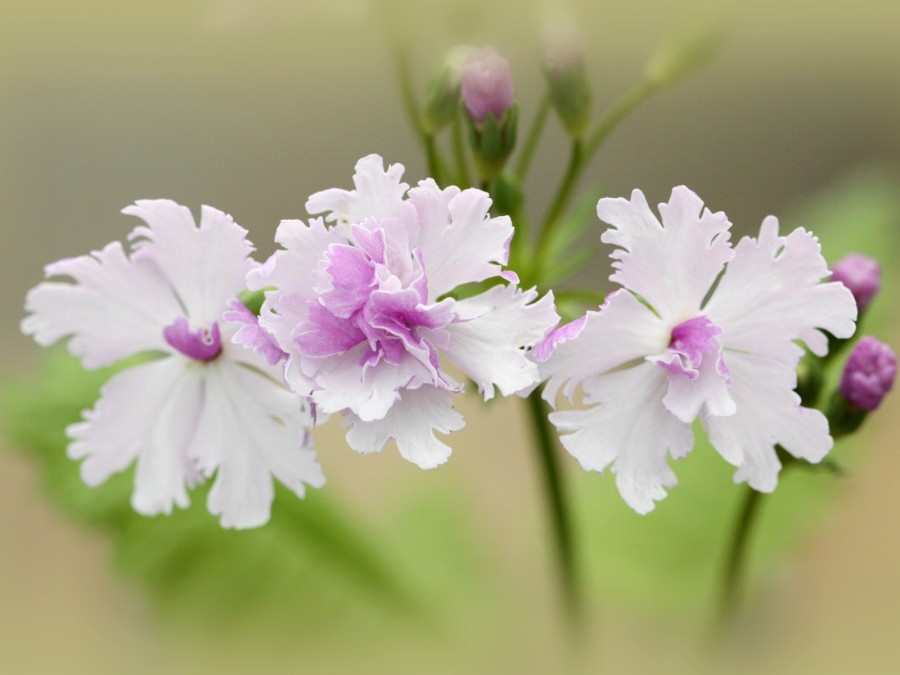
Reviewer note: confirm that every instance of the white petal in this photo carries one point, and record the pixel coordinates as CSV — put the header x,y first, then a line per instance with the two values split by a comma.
x,y
150,413
251,431
770,295
206,266
673,264
627,425
378,194
768,412
462,244
116,308
411,422
623,330
343,384
491,348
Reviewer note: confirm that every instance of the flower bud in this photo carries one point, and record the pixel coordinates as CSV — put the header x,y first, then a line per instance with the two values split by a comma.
x,y
486,84
861,275
869,374
443,91
567,84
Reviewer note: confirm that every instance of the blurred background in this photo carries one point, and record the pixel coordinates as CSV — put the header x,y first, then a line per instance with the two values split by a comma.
x,y
252,106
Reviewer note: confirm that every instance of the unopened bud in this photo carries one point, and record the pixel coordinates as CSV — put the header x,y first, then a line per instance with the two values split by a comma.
x,y
869,374
861,275
486,84
567,84
443,91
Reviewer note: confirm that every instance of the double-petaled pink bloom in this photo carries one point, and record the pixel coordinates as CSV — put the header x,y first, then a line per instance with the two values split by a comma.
x,y
365,312
699,329
197,405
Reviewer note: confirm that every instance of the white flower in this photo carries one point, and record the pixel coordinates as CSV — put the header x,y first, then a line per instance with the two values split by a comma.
x,y
659,353
363,312
202,405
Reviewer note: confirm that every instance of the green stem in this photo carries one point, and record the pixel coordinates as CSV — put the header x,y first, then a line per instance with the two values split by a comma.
x,y
407,91
558,506
583,152
632,99
435,166
734,566
459,150
534,135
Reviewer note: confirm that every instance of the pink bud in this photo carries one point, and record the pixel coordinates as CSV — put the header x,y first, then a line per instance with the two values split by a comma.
x,y
486,84
869,374
861,275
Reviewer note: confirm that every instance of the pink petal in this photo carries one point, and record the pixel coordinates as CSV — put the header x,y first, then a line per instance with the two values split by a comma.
x,y
627,426
412,423
205,266
116,308
768,412
252,431
492,348
149,413
771,295
622,331
672,265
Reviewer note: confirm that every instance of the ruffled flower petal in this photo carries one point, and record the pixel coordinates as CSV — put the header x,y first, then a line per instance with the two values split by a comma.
x,y
629,427
251,335
671,264
622,331
463,244
148,413
771,295
251,431
206,265
379,194
491,348
412,423
116,308
768,411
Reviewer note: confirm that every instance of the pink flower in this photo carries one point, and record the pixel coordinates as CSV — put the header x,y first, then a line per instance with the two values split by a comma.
x,y
199,405
660,353
365,311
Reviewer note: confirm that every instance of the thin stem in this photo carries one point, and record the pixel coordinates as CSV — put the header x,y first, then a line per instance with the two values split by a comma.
x,y
557,503
583,152
432,154
459,151
534,135
632,99
734,568
407,91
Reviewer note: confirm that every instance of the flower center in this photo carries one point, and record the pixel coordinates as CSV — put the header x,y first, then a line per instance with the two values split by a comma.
x,y
689,342
203,344
376,292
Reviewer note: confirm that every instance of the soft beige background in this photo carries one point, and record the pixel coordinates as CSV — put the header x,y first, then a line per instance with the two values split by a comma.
x,y
252,106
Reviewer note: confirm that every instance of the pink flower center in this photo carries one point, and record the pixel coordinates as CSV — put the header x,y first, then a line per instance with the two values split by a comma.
x,y
203,344
689,342
376,294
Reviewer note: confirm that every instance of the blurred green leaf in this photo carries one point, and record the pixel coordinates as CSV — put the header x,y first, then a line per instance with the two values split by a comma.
x,y
309,568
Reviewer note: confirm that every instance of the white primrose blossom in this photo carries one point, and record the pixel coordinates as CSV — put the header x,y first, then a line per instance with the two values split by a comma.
x,y
659,353
198,405
364,313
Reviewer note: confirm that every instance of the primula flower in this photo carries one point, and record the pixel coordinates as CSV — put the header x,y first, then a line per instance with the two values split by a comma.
x,y
202,405
678,341
363,309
